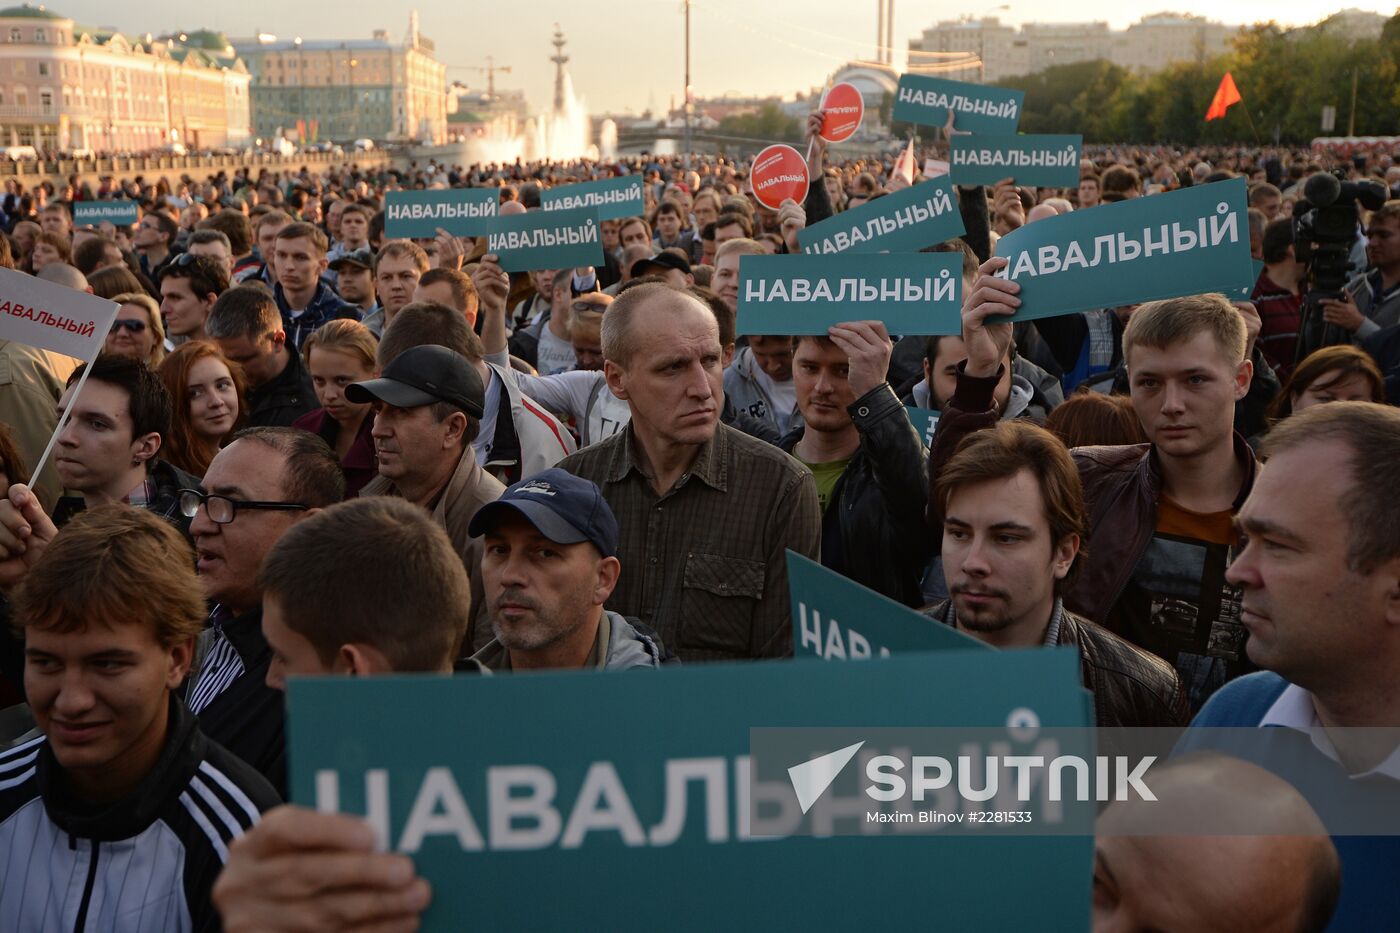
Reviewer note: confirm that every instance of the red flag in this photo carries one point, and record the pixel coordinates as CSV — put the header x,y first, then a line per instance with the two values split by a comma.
x,y
1225,95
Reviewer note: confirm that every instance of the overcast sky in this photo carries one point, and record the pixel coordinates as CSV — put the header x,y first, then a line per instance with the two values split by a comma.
x,y
629,54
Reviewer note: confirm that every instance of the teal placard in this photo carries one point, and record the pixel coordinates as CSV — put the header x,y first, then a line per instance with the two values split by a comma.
x,y
913,293
1041,161
1075,262
977,108
906,221
590,784
91,213
611,197
837,619
546,240
459,211
925,421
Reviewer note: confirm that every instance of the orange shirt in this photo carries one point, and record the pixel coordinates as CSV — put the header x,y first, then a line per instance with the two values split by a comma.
x,y
1214,527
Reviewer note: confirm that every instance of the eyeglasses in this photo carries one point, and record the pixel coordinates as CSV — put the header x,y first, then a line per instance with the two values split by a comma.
x,y
222,510
131,324
184,259
589,306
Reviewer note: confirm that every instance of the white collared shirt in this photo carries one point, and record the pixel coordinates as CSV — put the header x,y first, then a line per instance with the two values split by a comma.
x,y
1294,709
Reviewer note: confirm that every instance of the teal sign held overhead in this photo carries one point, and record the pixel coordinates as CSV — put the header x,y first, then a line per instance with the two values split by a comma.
x,y
611,197
1041,161
92,213
914,293
583,780
419,214
976,108
906,221
1187,242
546,240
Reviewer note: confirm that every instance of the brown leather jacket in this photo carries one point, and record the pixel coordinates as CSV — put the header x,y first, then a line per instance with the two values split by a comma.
x,y
1130,686
1121,485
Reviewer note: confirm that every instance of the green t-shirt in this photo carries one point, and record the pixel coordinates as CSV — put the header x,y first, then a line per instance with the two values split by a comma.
x,y
826,475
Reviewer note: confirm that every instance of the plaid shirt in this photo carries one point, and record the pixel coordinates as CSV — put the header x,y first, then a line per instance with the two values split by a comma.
x,y
704,564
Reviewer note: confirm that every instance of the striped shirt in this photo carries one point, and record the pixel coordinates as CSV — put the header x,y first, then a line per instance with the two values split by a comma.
x,y
219,668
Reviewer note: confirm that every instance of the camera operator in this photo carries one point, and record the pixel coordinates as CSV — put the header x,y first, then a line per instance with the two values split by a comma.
x,y
1325,237
1371,300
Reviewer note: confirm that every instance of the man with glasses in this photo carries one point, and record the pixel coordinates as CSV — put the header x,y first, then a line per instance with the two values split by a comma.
x,y
260,485
189,286
155,242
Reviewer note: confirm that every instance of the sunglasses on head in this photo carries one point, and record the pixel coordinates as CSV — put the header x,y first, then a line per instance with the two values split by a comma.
x,y
129,324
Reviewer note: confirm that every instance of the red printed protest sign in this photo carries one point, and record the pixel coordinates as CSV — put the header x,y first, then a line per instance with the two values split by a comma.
x,y
778,173
844,108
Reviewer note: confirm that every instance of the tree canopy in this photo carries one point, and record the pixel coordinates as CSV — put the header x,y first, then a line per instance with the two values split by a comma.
x,y
1285,78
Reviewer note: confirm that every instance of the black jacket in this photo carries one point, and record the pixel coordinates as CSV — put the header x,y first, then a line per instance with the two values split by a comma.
x,y
1130,686
285,399
245,716
169,481
146,862
873,529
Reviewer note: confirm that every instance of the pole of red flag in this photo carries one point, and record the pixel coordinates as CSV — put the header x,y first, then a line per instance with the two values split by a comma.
x,y
1254,129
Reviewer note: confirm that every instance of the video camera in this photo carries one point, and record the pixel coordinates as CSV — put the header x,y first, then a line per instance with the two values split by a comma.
x,y
1324,233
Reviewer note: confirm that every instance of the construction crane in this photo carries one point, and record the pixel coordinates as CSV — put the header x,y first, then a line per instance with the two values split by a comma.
x,y
490,68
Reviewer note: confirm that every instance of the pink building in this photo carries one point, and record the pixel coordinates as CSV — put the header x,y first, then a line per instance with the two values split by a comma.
x,y
69,88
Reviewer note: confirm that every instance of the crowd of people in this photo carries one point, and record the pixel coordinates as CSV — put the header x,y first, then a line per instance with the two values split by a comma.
x,y
310,449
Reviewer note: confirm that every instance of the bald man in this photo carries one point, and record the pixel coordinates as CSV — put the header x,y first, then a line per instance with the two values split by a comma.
x,y
60,273
1226,847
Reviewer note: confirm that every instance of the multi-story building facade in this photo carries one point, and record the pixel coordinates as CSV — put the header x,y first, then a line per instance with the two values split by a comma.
x,y
998,50
1154,42
345,89
67,88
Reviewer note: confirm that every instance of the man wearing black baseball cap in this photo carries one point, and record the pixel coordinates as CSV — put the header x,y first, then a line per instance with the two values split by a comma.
x,y
428,406
354,279
549,564
670,265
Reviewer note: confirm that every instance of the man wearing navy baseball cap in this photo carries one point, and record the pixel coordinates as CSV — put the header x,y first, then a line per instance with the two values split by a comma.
x,y
428,406
549,564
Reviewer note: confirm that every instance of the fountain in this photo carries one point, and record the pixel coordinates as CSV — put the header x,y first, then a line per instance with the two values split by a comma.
x,y
561,135
607,139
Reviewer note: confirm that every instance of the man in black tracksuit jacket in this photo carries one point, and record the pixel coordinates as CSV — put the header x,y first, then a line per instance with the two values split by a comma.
x,y
118,814
145,862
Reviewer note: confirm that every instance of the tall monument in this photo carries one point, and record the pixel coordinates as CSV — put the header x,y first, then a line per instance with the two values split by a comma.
x,y
559,59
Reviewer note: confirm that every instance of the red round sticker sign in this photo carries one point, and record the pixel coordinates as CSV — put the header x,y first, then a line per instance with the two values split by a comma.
x,y
845,107
778,173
